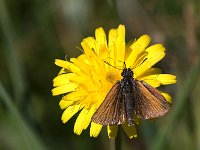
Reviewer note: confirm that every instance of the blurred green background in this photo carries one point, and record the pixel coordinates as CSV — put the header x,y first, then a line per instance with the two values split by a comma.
x,y
34,33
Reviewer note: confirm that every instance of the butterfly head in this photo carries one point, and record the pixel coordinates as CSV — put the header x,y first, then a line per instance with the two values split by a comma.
x,y
127,72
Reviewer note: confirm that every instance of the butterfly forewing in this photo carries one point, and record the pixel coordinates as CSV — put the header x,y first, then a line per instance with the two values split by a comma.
x,y
112,109
149,103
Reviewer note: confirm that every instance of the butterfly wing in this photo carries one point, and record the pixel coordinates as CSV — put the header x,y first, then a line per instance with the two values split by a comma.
x,y
149,103
112,109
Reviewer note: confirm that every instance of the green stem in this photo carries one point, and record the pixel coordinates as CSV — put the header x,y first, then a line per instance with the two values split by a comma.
x,y
30,138
118,140
115,143
112,144
181,100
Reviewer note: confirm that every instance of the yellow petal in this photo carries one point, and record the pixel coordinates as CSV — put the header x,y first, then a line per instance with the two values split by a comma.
x,y
85,68
128,49
166,79
64,89
152,81
83,58
130,130
112,36
64,104
140,59
63,70
92,98
68,65
116,46
112,131
62,79
88,117
112,49
155,47
95,62
95,129
120,45
137,47
75,96
78,126
87,49
69,112
151,71
152,58
159,79
167,97
100,38
91,42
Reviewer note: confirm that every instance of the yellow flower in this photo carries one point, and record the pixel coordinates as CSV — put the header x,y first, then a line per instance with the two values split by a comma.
x,y
86,80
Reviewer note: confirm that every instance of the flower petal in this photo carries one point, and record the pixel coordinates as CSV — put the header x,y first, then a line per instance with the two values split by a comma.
x,y
78,126
63,70
112,131
159,79
137,47
91,42
75,96
95,62
64,89
69,112
64,104
151,71
166,79
167,96
112,49
101,41
155,47
63,79
130,130
95,129
88,51
116,46
68,65
88,117
152,58
85,68
120,45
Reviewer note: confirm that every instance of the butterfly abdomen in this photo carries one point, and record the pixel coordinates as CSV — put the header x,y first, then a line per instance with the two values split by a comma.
x,y
128,90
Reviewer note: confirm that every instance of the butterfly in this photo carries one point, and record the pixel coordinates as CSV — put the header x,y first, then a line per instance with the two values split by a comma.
x,y
129,96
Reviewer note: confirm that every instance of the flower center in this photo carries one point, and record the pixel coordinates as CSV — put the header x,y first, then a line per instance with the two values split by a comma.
x,y
111,77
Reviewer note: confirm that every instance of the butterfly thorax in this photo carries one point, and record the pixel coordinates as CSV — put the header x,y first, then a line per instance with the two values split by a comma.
x,y
128,87
127,73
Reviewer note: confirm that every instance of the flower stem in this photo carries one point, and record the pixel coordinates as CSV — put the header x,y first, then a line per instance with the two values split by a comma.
x,y
115,143
118,140
112,144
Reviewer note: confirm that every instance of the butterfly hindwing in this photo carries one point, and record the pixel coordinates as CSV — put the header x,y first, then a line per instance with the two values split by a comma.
x,y
149,103
112,109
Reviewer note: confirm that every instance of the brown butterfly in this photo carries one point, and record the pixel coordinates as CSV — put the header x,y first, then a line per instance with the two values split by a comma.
x,y
130,96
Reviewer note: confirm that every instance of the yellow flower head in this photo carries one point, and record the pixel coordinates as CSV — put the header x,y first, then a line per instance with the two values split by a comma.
x,y
86,80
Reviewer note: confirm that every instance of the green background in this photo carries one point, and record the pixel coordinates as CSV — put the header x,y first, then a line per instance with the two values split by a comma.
x,y
34,33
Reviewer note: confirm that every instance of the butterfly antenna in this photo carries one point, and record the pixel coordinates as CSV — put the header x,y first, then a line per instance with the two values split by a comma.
x,y
139,64
112,65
